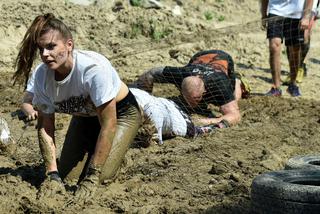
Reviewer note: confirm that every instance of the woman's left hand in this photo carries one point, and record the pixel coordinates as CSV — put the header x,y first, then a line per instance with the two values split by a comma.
x,y
88,185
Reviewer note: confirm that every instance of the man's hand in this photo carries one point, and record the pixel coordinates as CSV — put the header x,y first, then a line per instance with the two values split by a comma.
x,y
305,23
51,186
145,82
263,23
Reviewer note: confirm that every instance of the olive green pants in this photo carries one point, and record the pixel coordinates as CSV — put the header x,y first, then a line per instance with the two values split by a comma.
x,y
81,140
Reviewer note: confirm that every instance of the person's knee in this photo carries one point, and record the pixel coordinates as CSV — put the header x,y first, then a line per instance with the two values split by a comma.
x,y
275,46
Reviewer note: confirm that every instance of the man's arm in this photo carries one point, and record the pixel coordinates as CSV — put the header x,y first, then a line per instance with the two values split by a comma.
x,y
264,8
231,114
146,80
47,141
264,12
306,15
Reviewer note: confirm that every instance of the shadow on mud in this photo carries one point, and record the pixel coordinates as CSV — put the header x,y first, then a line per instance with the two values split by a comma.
x,y
240,207
314,60
32,174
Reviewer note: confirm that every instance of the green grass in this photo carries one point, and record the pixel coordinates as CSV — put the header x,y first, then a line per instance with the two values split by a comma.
x,y
136,3
208,15
158,32
151,28
221,18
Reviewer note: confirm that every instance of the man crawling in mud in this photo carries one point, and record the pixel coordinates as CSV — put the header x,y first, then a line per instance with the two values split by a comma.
x,y
208,78
164,119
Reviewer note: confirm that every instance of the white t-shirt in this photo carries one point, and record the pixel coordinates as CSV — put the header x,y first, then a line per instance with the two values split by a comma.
x,y
315,6
30,85
287,8
168,119
92,82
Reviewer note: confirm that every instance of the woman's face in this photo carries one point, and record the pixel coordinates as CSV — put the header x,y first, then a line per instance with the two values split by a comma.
x,y
55,51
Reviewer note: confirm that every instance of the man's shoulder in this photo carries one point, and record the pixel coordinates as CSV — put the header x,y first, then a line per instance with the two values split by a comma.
x,y
215,52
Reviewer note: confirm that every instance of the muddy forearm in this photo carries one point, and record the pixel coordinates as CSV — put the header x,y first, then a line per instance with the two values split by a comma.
x,y
48,150
146,80
103,147
46,140
231,112
108,122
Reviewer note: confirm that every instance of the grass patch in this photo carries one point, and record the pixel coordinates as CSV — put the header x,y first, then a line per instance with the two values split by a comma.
x,y
221,18
208,15
136,3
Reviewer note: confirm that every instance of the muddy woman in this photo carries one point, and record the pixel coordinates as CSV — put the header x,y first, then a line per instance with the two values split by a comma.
x,y
105,114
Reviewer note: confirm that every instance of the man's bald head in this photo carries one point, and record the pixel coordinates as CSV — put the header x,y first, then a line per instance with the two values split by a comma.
x,y
192,89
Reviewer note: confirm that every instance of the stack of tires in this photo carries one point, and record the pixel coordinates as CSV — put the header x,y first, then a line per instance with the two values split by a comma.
x,y
293,190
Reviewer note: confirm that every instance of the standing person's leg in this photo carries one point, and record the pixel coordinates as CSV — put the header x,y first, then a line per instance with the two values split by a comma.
x,y
275,60
302,70
294,39
275,35
294,61
128,123
305,47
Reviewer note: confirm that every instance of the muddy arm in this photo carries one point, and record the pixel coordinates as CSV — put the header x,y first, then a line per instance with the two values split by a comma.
x,y
47,141
231,114
146,80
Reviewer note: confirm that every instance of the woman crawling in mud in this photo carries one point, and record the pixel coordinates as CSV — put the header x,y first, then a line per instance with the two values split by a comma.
x,y
84,84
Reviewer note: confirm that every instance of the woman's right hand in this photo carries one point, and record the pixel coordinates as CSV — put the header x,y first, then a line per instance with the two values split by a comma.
x,y
51,186
30,112
32,115
27,107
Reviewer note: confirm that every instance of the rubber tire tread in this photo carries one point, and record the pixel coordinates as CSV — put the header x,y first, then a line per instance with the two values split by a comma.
x,y
275,191
303,162
263,204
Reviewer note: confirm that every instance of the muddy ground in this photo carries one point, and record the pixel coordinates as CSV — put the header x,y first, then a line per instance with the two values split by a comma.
x,y
210,174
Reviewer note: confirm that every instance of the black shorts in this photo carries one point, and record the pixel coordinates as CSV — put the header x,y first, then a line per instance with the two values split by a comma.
x,y
287,28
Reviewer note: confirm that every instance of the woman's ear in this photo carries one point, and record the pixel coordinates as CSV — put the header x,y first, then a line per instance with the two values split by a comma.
x,y
69,44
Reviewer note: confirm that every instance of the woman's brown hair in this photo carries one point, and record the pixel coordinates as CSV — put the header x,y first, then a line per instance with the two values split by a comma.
x,y
29,45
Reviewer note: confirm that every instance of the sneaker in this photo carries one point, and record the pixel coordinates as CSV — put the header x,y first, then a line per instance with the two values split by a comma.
x,y
300,75
294,90
275,92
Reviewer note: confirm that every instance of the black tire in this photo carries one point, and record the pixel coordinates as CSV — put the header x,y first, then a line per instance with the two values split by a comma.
x,y
286,191
304,162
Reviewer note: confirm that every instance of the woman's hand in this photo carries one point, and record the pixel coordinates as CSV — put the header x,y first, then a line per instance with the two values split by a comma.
x,y
27,107
88,185
51,186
